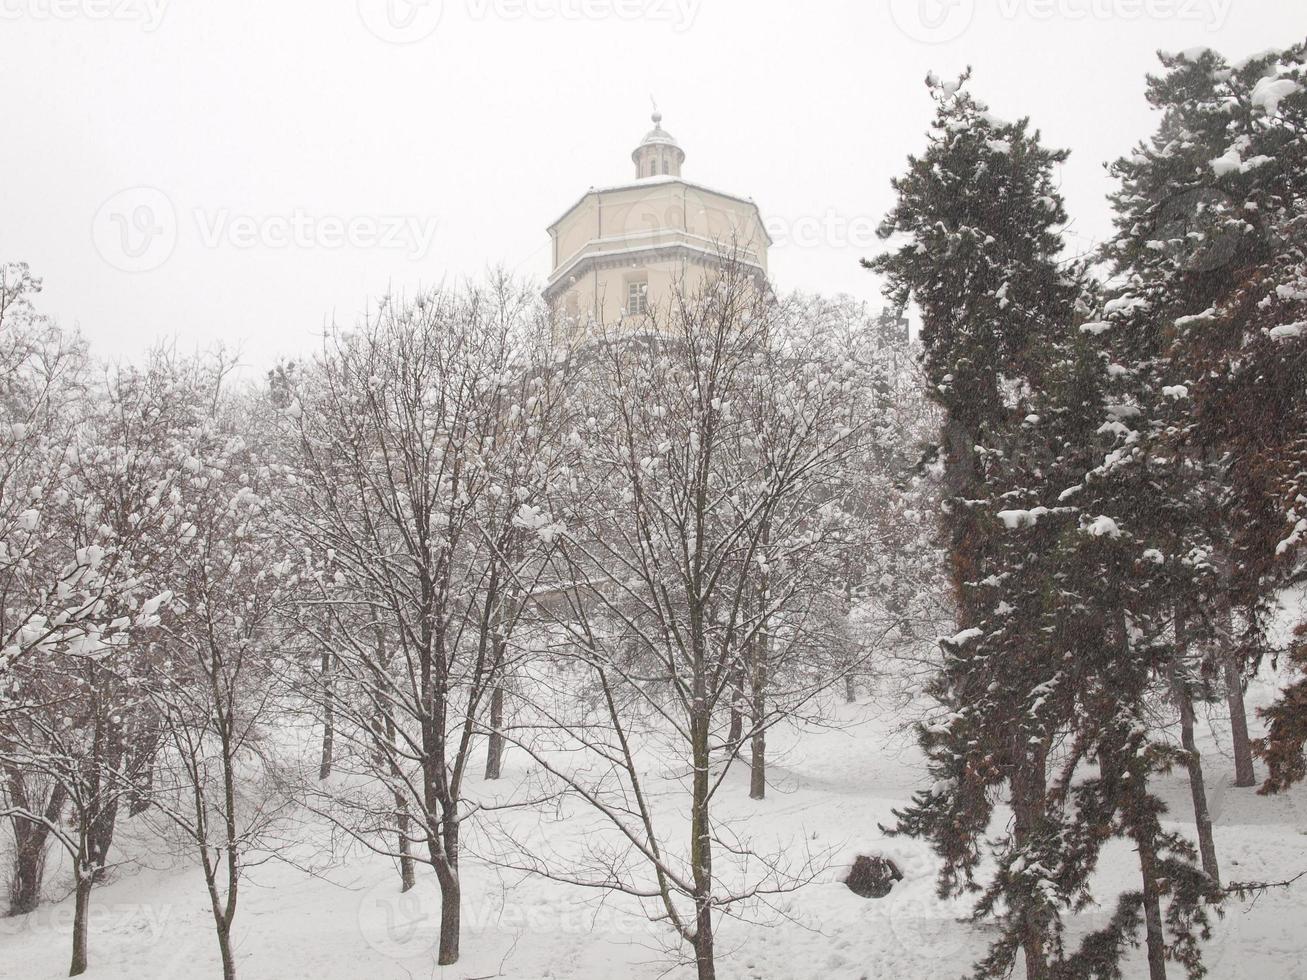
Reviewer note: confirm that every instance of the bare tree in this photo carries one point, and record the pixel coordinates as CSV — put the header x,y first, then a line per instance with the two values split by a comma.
x,y
75,714
425,446
705,447
233,584
41,377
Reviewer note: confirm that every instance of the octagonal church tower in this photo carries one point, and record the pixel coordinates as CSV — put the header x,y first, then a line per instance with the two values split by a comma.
x,y
618,251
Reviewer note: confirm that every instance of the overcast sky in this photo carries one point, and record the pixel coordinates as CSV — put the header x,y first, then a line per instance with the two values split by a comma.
x,y
246,170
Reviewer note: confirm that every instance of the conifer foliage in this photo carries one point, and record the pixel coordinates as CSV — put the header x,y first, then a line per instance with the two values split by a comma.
x,y
1055,523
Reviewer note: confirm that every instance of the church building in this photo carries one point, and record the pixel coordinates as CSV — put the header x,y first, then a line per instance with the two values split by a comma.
x,y
619,250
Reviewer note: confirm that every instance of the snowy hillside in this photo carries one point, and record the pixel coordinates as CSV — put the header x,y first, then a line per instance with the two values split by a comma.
x,y
832,788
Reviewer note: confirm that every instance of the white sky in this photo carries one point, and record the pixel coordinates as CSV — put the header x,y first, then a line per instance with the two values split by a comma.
x,y
489,126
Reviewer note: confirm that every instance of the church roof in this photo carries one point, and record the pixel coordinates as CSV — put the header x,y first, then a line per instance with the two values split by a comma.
x,y
647,182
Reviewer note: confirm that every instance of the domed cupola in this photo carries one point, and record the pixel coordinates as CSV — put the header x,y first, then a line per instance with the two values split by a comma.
x,y
658,154
623,250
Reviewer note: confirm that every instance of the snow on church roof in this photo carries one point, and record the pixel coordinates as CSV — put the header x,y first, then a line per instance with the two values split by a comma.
x,y
646,182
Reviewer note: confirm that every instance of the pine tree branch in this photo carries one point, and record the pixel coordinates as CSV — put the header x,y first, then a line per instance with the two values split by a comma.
x,y
1255,889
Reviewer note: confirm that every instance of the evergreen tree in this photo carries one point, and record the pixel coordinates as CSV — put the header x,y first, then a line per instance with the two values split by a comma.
x,y
1210,256
1064,629
980,212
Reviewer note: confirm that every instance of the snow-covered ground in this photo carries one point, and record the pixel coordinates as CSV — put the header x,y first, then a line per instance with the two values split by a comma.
x,y
831,789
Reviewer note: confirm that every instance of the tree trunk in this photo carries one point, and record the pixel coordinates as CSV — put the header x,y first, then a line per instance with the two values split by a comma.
x,y
99,837
406,878
101,768
703,943
1193,760
736,733
31,841
1029,798
81,917
108,750
450,894
328,714
28,872
758,682
495,745
701,851
1243,749
758,743
1244,775
143,753
450,907
142,791
850,684
1197,786
1152,911
223,912
383,726
228,956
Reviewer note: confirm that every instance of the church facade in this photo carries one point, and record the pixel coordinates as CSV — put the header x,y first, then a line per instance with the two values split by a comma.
x,y
619,251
